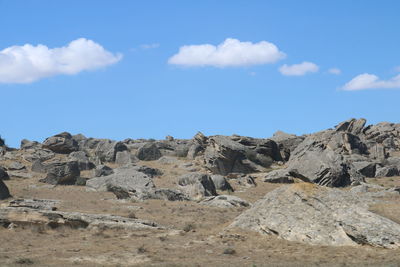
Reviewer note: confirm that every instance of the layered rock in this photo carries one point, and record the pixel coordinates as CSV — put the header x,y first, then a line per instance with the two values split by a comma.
x,y
320,216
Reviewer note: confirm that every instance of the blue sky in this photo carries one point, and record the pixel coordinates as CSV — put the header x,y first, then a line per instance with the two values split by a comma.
x,y
119,81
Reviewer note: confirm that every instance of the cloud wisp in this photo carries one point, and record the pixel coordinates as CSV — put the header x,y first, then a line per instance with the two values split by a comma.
x,y
335,71
230,53
149,46
298,69
28,63
370,81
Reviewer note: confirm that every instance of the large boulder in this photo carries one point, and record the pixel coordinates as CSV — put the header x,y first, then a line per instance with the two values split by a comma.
x,y
287,143
149,151
3,174
322,216
106,150
224,201
102,170
239,154
82,159
125,182
320,164
197,185
62,143
64,173
4,192
221,183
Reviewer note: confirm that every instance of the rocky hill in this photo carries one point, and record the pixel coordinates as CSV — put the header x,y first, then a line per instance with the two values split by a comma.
x,y
345,193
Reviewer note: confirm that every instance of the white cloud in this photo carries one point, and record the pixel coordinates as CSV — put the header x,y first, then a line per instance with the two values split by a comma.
x,y
335,71
371,81
28,63
150,46
230,53
299,69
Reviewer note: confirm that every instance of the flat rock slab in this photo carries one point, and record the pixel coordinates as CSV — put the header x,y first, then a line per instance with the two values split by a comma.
x,y
318,215
32,212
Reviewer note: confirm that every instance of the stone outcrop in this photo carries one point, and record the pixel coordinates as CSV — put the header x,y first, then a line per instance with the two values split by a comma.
x,y
317,215
4,192
62,143
62,173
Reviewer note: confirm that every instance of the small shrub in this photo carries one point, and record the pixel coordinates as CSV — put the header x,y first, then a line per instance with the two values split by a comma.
x,y
141,249
189,227
132,215
229,251
25,261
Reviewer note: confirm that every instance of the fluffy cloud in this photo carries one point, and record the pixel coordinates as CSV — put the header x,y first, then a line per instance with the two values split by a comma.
x,y
371,81
298,69
335,71
28,63
230,53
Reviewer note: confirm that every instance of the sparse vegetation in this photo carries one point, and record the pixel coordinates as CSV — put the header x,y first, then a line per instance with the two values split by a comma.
x,y
24,261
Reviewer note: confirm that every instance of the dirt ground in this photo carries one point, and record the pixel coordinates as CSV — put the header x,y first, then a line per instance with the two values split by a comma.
x,y
195,236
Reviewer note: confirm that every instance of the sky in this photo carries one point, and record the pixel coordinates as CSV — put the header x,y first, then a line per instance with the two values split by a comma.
x,y
147,69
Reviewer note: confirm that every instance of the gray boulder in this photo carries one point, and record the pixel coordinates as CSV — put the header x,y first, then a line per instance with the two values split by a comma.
x,y
37,154
62,173
125,182
287,143
320,216
387,171
62,143
82,159
106,150
221,183
365,168
124,157
26,144
284,176
4,192
197,185
224,201
3,174
102,170
162,194
149,151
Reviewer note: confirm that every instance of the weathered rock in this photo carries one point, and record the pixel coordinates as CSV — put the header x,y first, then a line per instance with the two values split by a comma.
x,y
148,152
353,126
62,143
151,172
163,194
197,185
39,167
317,215
82,159
198,145
37,154
3,174
103,170
38,204
125,157
54,219
223,156
284,176
287,143
64,173
106,150
124,182
225,201
365,168
15,166
26,144
221,183
4,192
20,174
387,171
